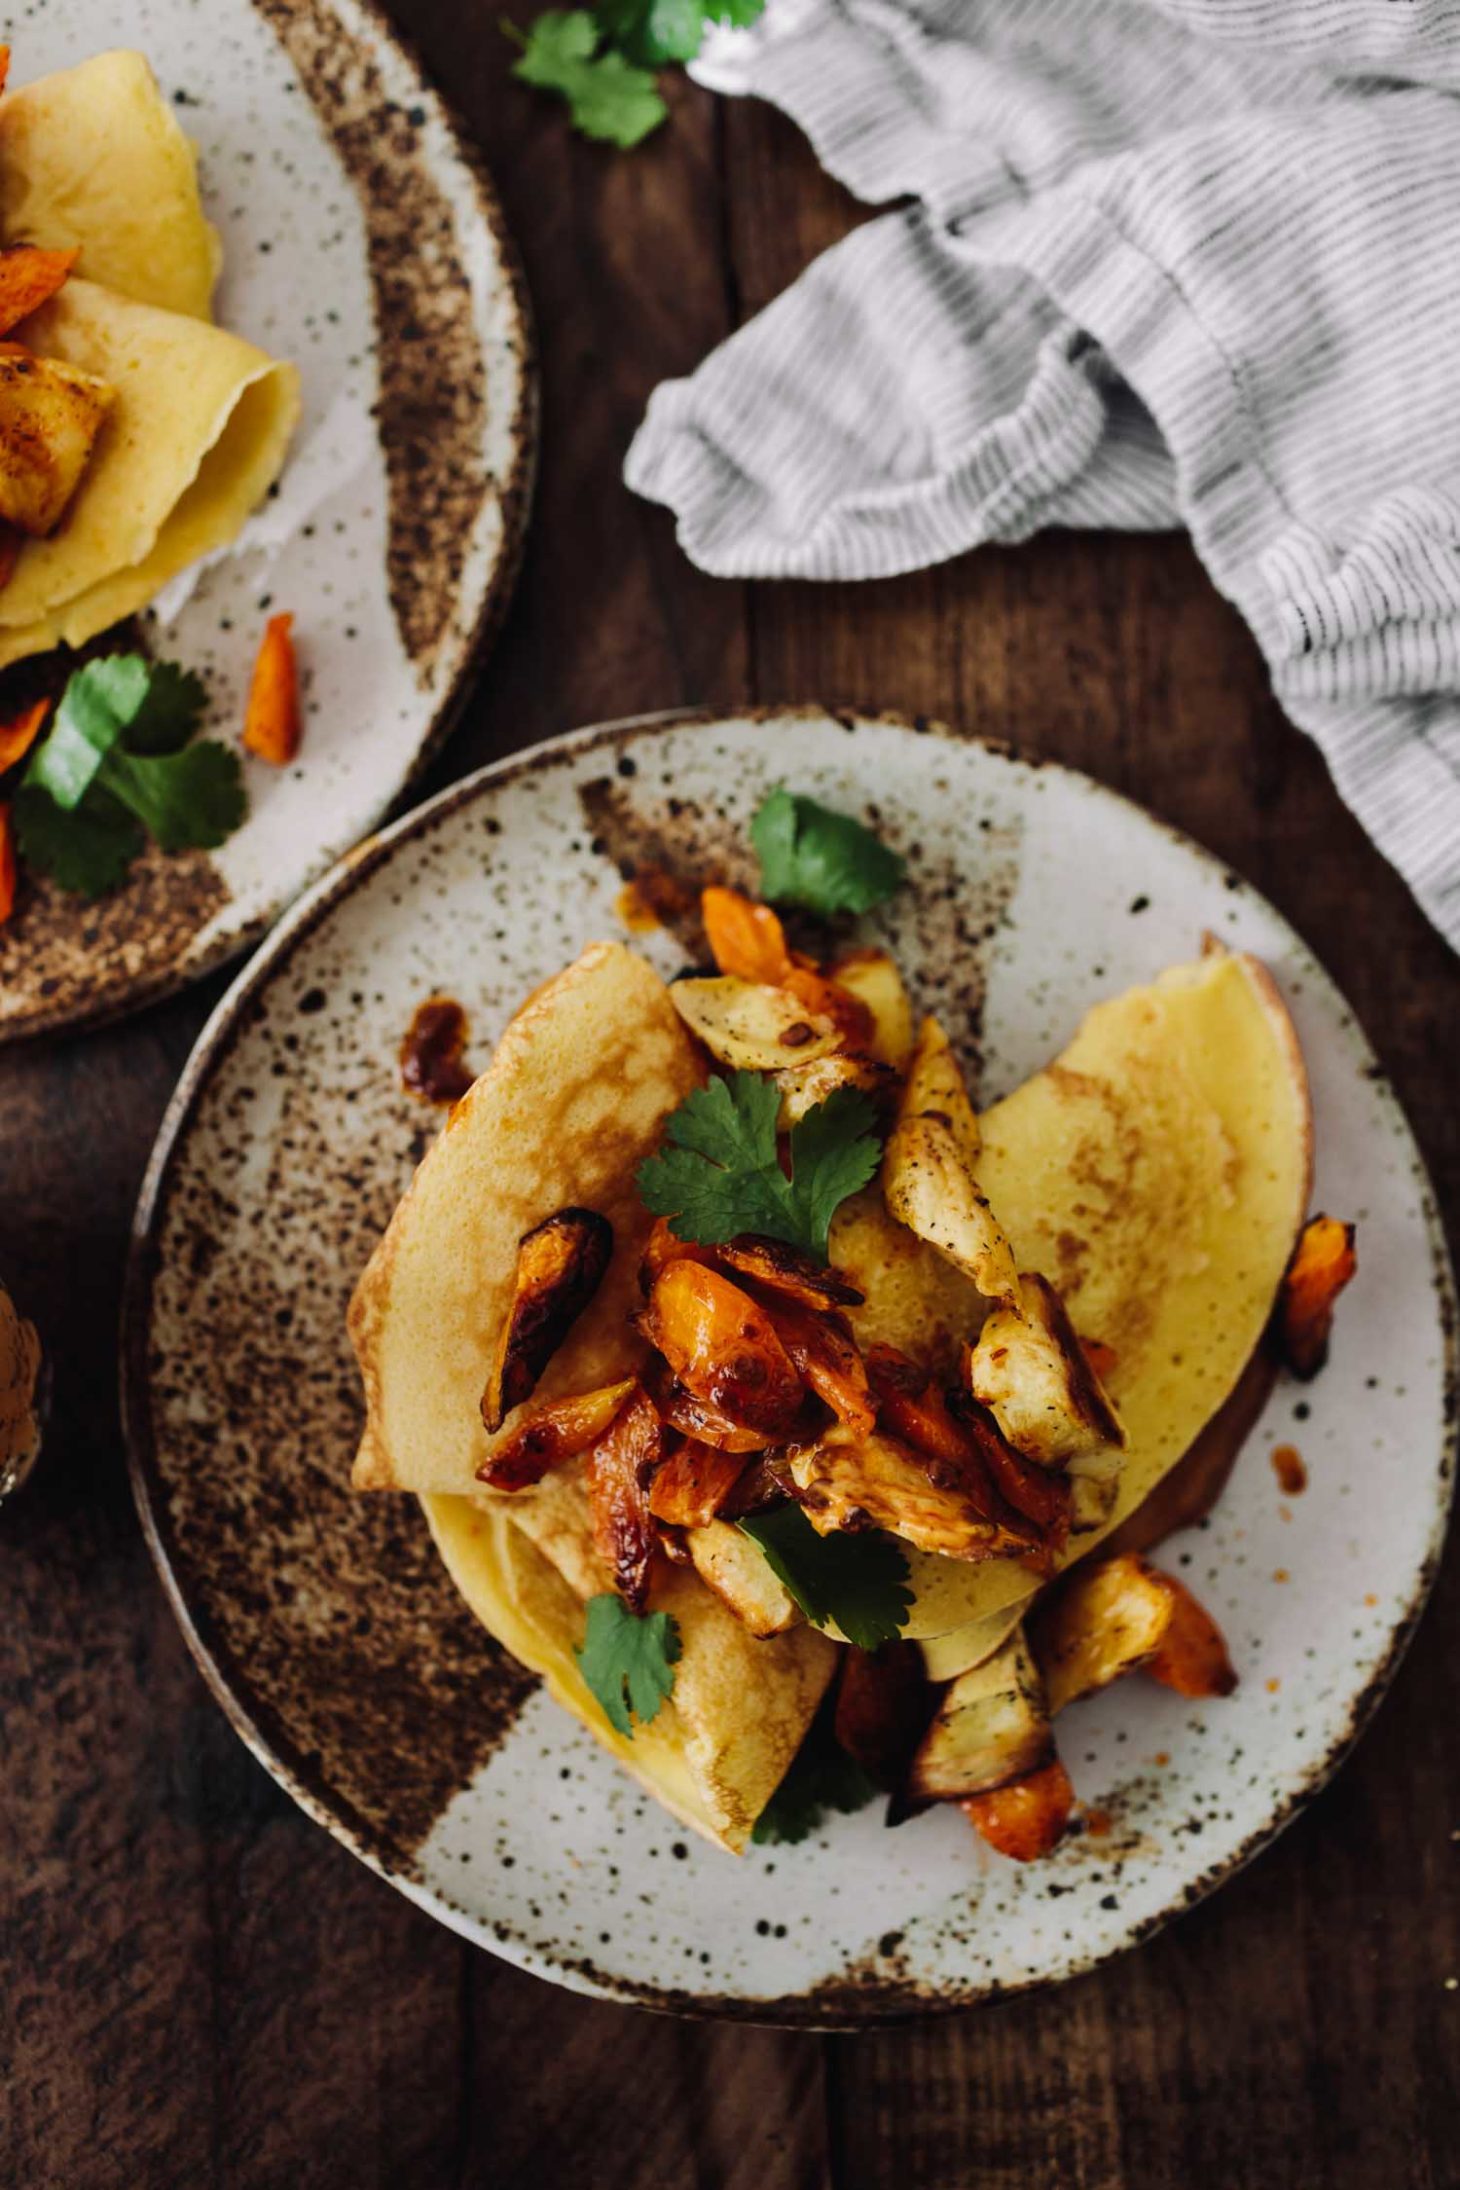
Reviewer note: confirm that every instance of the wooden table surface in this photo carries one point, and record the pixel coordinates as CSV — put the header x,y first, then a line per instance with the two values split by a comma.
x,y
197,1986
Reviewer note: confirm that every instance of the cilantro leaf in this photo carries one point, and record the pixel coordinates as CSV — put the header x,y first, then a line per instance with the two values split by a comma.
x,y
88,850
627,1660
610,99
826,861
860,1582
188,800
651,31
118,753
720,1175
820,1777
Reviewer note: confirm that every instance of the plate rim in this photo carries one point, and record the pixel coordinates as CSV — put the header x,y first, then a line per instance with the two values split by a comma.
x,y
515,491
279,1756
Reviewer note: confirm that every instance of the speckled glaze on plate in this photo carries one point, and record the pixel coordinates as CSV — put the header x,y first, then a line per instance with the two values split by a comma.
x,y
362,239
323,1621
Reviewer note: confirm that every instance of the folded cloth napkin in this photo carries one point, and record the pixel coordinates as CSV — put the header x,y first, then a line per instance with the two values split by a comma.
x,y
1167,262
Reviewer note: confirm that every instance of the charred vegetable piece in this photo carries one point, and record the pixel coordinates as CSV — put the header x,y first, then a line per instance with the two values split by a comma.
x,y
878,1482
872,977
824,1354
1026,1819
780,1268
560,1264
992,1726
1033,1374
693,1484
766,1482
662,1246
620,1468
883,1704
1323,1262
50,416
928,1177
1192,1657
28,276
20,731
956,1430
752,1027
804,1087
1106,1619
723,1348
738,1573
558,1430
680,1410
273,724
828,999
745,939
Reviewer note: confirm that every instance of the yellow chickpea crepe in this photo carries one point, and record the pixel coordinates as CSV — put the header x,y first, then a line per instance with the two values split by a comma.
x,y
135,436
780,1410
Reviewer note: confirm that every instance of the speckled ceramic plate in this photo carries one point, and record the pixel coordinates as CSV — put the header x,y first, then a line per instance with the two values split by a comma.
x,y
332,1636
362,239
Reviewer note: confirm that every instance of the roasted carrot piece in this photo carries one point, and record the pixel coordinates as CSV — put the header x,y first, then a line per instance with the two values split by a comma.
x,y
28,278
693,1484
884,1701
4,65
745,938
1192,1657
557,1430
722,1347
1027,1818
7,865
19,734
824,1353
272,725
619,1467
560,1265
1323,1263
848,1014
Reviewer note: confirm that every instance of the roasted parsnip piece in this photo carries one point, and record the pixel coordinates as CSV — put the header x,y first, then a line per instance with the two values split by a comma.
x,y
1030,1370
804,1086
557,1430
620,1468
560,1264
1026,1819
879,1482
722,1347
928,1177
751,1027
1106,1619
50,416
736,1570
1323,1262
992,1726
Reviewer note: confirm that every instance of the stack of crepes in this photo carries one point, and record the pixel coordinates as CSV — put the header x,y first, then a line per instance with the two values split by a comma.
x,y
1145,1190
196,420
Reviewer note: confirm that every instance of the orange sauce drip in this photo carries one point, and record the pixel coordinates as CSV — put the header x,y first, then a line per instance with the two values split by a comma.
x,y
431,1060
1287,1466
1098,1822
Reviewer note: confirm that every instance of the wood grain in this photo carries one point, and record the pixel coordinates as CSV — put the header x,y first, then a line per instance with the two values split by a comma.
x,y
201,1989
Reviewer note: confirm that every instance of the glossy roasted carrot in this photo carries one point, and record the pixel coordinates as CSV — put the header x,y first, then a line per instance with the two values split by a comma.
x,y
19,734
722,1347
620,1466
272,724
824,1353
1027,1818
1323,1262
694,1483
1192,1658
8,877
28,277
557,1430
745,938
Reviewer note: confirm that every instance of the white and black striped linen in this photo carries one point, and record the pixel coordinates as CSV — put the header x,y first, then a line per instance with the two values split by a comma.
x,y
1167,262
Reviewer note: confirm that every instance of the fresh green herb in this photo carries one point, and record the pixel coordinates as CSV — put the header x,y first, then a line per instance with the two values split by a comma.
x,y
628,1660
721,1176
860,1581
119,764
610,99
820,1777
602,60
811,856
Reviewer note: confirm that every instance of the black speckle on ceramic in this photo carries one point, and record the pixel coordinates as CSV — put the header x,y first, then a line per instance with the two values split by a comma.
x,y
361,239
337,1646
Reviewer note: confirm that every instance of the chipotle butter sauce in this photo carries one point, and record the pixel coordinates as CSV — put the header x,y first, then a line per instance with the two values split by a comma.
x,y
1287,1466
432,1060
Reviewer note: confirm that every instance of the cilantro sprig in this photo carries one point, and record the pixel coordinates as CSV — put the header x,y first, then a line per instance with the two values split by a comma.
x,y
602,59
811,856
721,1174
858,1581
821,1777
628,1660
119,764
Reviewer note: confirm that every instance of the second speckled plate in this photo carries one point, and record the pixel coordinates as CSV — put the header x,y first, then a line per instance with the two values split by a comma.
x,y
361,239
325,1623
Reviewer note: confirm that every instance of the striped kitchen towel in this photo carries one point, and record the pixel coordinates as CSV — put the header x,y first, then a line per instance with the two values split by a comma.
x,y
1165,262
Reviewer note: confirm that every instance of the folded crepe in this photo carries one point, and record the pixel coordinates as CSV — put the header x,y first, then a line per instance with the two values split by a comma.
x,y
92,159
1157,1173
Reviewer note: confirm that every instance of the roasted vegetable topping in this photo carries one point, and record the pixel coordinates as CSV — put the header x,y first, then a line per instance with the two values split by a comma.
x,y
991,1726
1192,1657
560,1264
1026,1819
745,939
1121,1615
883,1703
824,1353
1035,1377
878,1482
1323,1262
723,1347
693,1484
782,1269
557,1430
620,1470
